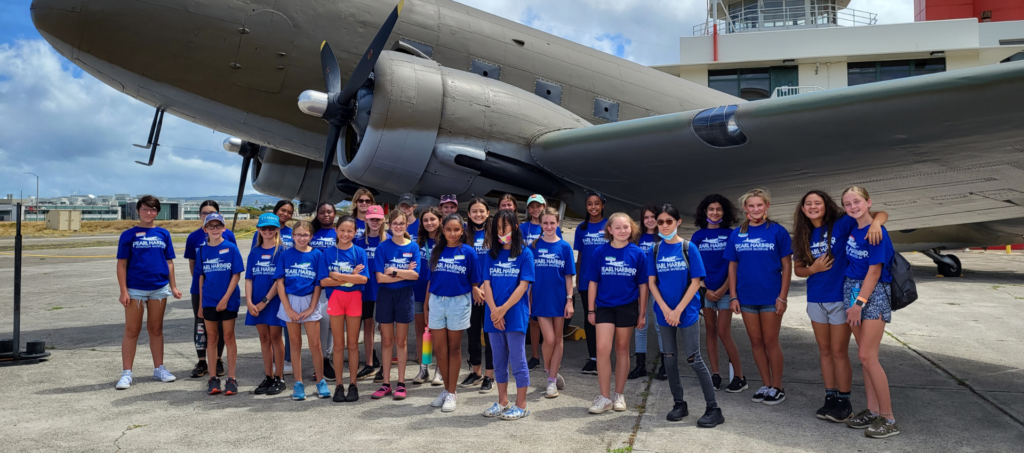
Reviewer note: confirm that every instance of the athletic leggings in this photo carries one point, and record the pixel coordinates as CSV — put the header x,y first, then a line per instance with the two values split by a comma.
x,y
199,332
476,326
588,328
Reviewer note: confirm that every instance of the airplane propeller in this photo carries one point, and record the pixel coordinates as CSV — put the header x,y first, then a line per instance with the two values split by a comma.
x,y
338,105
248,151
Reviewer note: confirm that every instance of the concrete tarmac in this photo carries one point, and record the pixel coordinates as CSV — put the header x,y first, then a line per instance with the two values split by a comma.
x,y
955,361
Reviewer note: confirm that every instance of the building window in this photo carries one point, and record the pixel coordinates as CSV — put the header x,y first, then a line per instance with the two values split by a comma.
x,y
750,84
878,71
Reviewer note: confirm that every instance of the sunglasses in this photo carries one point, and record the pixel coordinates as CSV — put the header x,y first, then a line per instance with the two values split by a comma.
x,y
364,201
268,228
665,222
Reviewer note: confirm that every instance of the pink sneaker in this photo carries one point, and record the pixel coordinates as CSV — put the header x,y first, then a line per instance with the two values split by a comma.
x,y
384,390
400,391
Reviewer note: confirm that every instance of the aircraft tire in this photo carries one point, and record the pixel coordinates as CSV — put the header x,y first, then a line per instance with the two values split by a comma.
x,y
946,270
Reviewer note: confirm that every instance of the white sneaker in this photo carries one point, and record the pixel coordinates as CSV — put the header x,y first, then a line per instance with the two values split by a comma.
x,y
161,374
449,403
439,401
125,381
601,405
560,382
422,376
438,380
552,390
620,402
288,368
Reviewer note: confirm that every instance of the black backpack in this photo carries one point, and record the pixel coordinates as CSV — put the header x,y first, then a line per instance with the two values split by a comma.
x,y
904,290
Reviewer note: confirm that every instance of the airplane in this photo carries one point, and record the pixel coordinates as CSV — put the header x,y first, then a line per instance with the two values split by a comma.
x,y
435,97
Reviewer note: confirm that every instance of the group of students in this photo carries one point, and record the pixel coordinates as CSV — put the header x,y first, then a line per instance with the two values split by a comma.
x,y
492,273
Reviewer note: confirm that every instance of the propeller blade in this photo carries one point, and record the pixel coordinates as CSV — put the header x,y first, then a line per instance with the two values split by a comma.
x,y
365,66
332,146
329,66
241,190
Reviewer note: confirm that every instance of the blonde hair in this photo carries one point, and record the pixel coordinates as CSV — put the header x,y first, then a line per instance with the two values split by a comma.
x,y
634,230
759,193
277,240
857,190
548,211
396,213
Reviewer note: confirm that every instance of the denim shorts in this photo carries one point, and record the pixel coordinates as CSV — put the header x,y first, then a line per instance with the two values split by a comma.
x,y
450,313
417,307
156,294
770,308
722,304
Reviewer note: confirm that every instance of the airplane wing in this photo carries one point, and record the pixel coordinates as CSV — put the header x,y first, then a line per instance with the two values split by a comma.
x,y
935,150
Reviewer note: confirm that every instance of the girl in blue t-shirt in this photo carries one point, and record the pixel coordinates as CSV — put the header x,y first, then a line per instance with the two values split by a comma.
x,y
325,238
344,272
284,210
676,270
395,264
376,232
590,234
195,240
361,202
479,346
616,304
819,254
760,261
298,284
715,217
428,231
867,290
263,303
509,270
219,268
531,229
145,273
551,294
646,241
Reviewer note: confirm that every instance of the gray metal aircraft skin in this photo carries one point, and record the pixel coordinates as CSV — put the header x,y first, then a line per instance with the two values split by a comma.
x,y
941,153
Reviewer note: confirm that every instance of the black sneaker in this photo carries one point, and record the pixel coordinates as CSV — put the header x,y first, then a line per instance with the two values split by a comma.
x,y
213,386
677,413
737,385
662,374
760,394
862,420
830,403
774,396
486,385
472,380
328,369
841,411
711,418
590,367
200,370
276,387
379,377
353,394
716,381
366,371
533,363
264,386
339,394
376,360
231,387
220,368
640,370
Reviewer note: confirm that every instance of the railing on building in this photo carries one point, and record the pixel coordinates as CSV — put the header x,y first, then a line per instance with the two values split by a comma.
x,y
792,17
793,91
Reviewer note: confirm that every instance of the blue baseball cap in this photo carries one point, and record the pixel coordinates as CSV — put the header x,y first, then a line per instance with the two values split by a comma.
x,y
214,216
268,219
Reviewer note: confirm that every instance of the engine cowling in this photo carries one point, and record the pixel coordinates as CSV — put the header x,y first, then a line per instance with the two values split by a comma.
x,y
292,177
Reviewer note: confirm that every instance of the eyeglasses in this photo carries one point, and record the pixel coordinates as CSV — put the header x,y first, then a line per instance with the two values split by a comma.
x,y
215,226
364,201
665,222
300,236
398,224
205,213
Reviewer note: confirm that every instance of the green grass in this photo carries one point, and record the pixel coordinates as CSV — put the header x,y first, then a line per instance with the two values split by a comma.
x,y
621,450
54,308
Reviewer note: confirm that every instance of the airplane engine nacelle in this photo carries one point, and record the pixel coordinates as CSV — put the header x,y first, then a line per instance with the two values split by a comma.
x,y
436,130
292,177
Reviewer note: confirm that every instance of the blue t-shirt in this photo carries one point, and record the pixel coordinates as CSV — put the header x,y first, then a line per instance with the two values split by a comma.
x,y
261,267
300,271
218,264
618,273
360,229
711,243
419,291
286,238
828,286
456,272
552,262
324,239
505,273
586,242
673,279
647,242
414,230
478,244
861,254
758,254
369,244
343,261
397,256
147,251
532,231
195,240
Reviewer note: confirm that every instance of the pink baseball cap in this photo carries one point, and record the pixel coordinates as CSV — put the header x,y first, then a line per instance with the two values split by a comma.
x,y
375,212
449,199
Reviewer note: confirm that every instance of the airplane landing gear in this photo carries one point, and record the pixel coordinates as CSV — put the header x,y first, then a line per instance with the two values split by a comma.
x,y
949,265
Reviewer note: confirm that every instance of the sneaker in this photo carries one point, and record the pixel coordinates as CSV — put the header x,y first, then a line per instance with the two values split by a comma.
x,y
830,403
552,391
328,369
339,394
774,396
125,381
760,394
264,386
276,387
737,385
384,390
422,376
497,409
400,392
514,412
450,400
288,369
231,387
590,367
363,373
299,391
213,386
711,418
200,370
881,429
862,420
220,368
438,379
619,403
486,385
379,377
353,394
161,374
841,411
679,410
376,360
533,363
601,405
716,381
322,390
560,382
472,380
439,401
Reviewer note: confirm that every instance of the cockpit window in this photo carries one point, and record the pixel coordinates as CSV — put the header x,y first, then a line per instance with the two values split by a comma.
x,y
717,127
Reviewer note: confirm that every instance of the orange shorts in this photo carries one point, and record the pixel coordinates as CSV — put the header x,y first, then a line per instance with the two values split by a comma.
x,y
345,303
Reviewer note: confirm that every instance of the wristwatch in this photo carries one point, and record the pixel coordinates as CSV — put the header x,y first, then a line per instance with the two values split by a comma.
x,y
394,273
860,301
264,300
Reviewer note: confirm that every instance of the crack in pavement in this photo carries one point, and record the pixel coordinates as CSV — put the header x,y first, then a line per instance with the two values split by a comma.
x,y
642,407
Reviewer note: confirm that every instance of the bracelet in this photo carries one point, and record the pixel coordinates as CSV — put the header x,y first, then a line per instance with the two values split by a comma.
x,y
780,300
734,298
590,312
862,299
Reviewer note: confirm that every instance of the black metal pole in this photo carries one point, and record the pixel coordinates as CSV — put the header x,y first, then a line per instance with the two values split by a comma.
x,y
17,286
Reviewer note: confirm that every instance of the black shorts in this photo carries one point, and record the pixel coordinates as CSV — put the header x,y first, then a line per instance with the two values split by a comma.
x,y
625,315
211,314
368,306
